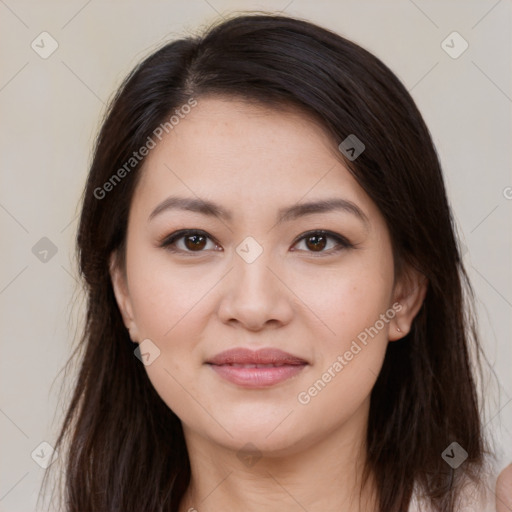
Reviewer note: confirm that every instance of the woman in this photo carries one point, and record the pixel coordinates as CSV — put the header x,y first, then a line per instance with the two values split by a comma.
x,y
276,309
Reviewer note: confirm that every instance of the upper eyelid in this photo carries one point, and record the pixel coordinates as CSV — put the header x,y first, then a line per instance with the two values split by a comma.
x,y
325,232
180,233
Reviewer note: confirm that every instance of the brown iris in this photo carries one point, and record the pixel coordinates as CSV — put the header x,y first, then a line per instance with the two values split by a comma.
x,y
195,242
318,242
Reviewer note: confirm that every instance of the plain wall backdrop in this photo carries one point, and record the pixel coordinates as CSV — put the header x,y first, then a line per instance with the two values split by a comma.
x,y
51,106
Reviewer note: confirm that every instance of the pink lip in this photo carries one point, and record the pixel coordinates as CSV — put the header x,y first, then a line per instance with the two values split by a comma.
x,y
252,369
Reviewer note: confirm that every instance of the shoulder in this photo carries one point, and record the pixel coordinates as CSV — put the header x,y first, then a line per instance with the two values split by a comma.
x,y
473,497
504,490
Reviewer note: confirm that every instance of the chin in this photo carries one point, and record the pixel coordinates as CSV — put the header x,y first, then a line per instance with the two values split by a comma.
x,y
267,434
274,446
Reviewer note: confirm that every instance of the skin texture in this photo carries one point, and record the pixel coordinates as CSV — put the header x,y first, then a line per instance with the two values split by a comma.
x,y
253,161
504,490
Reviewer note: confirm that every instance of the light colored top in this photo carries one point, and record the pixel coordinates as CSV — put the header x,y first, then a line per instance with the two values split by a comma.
x,y
480,498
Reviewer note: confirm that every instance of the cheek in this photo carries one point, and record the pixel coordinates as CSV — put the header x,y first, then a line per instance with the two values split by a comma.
x,y
347,299
171,305
166,297
358,310
349,361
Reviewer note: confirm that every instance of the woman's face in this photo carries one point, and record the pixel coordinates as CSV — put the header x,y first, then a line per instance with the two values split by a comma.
x,y
255,274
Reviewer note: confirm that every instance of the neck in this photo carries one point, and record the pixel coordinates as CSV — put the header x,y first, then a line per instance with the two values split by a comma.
x,y
326,475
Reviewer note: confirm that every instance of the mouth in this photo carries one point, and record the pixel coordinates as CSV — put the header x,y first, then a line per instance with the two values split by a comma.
x,y
256,369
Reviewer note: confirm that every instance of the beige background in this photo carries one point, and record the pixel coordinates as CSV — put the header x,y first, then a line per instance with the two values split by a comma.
x,y
51,109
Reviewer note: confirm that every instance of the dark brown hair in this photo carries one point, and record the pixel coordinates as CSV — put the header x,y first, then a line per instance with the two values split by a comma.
x,y
425,396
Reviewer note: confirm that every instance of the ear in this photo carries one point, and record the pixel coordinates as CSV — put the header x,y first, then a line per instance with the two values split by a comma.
x,y
120,286
409,292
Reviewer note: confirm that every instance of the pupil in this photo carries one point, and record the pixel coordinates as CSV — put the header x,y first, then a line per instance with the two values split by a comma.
x,y
318,244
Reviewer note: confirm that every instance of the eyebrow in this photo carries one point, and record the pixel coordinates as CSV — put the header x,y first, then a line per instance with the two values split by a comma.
x,y
286,214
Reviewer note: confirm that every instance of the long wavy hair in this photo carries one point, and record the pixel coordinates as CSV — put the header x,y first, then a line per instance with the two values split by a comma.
x,y
112,437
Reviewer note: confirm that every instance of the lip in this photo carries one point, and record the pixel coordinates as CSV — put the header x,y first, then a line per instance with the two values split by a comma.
x,y
256,369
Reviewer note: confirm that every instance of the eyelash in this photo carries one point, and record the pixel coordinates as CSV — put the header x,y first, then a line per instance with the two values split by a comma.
x,y
169,242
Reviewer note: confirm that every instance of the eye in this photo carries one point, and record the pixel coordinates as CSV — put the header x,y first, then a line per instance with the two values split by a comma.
x,y
317,241
196,241
193,240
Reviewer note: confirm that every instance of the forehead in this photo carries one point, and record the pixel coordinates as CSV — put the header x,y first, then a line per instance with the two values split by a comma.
x,y
232,150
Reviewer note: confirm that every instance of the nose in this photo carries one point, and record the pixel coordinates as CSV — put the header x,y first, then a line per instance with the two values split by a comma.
x,y
255,295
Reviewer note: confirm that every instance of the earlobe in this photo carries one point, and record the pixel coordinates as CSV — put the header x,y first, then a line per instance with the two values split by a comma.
x,y
410,292
119,285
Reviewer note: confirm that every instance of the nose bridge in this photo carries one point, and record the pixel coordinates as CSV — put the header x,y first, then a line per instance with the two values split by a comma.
x,y
252,263
254,296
